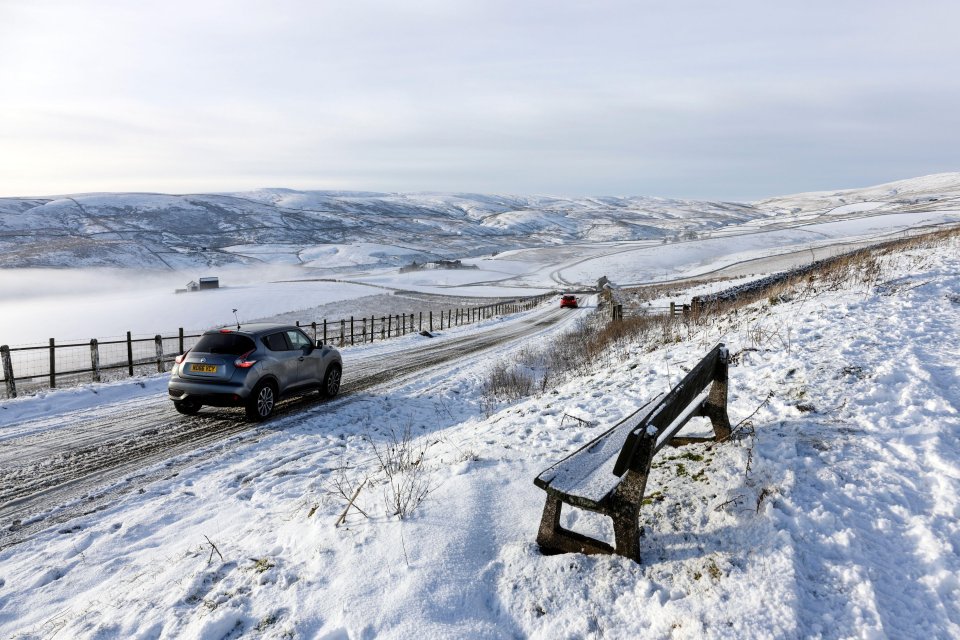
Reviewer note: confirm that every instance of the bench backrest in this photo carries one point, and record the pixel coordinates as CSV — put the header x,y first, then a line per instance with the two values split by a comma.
x,y
673,411
589,474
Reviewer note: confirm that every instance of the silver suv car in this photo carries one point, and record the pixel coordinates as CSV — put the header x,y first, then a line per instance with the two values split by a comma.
x,y
253,367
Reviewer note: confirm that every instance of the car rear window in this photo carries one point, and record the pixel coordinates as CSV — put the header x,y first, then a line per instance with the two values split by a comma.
x,y
229,343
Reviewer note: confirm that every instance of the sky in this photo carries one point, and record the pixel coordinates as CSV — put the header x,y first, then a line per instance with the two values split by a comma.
x,y
700,99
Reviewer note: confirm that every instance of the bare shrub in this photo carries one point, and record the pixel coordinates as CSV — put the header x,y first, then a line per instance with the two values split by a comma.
x,y
509,382
768,334
400,462
345,484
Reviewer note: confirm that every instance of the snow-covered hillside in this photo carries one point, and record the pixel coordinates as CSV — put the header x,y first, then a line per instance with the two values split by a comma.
x,y
937,191
181,231
835,516
325,229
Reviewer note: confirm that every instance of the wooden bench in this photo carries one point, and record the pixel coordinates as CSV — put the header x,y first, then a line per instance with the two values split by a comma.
x,y
608,474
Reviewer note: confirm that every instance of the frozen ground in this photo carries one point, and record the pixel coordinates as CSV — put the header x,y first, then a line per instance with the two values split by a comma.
x,y
836,517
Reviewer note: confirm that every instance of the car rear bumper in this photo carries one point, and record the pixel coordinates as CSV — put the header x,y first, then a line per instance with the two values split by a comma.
x,y
223,395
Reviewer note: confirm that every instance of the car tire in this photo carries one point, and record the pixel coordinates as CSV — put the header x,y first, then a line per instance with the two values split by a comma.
x,y
261,402
331,381
187,407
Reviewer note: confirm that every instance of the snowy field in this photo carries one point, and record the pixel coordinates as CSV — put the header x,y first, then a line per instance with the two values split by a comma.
x,y
836,517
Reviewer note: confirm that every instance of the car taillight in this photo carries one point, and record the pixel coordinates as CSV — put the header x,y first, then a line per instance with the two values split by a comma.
x,y
243,363
180,358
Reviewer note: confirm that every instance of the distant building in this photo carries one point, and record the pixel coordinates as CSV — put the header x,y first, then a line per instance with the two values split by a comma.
x,y
192,286
209,283
439,264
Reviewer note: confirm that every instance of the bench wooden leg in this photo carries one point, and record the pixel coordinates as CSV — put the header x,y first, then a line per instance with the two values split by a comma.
x,y
715,407
550,521
552,538
626,531
624,510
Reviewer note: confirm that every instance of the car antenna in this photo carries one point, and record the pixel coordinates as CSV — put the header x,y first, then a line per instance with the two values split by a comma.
x,y
238,319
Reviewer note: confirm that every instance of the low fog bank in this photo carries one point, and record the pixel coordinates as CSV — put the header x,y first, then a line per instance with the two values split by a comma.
x,y
42,283
75,305
80,304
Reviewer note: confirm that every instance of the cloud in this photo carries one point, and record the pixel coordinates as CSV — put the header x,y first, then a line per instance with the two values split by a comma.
x,y
685,98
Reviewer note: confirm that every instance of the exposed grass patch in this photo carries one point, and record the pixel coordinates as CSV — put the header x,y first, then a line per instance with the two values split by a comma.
x,y
260,565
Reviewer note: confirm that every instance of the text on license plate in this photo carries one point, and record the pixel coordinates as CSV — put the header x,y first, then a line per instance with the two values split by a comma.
x,y
203,368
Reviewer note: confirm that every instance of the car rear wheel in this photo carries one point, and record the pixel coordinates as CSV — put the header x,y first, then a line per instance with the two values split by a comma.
x,y
331,381
187,407
261,402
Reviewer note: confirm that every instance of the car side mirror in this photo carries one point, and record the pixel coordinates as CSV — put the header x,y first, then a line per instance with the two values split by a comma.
x,y
319,344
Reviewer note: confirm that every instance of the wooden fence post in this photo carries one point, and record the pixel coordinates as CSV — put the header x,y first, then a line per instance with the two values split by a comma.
x,y
313,325
8,371
351,331
95,357
129,354
158,341
53,365
389,326
431,321
181,340
421,322
363,328
324,331
343,332
383,328
673,309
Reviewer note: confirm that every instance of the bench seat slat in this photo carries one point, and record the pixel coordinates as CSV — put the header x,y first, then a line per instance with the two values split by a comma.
x,y
586,475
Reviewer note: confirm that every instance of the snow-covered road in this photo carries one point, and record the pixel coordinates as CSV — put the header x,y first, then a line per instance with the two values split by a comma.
x,y
57,465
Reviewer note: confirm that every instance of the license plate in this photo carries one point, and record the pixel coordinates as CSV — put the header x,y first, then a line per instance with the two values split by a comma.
x,y
203,368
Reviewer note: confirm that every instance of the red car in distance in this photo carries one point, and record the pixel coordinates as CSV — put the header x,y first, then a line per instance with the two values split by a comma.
x,y
568,301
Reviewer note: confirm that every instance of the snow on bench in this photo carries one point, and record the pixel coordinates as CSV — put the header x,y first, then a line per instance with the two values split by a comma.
x,y
608,474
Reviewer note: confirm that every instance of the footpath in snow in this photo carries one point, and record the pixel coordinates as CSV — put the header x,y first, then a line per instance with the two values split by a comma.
x,y
835,515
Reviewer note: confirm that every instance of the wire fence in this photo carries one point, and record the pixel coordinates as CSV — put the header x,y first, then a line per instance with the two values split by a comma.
x,y
28,369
